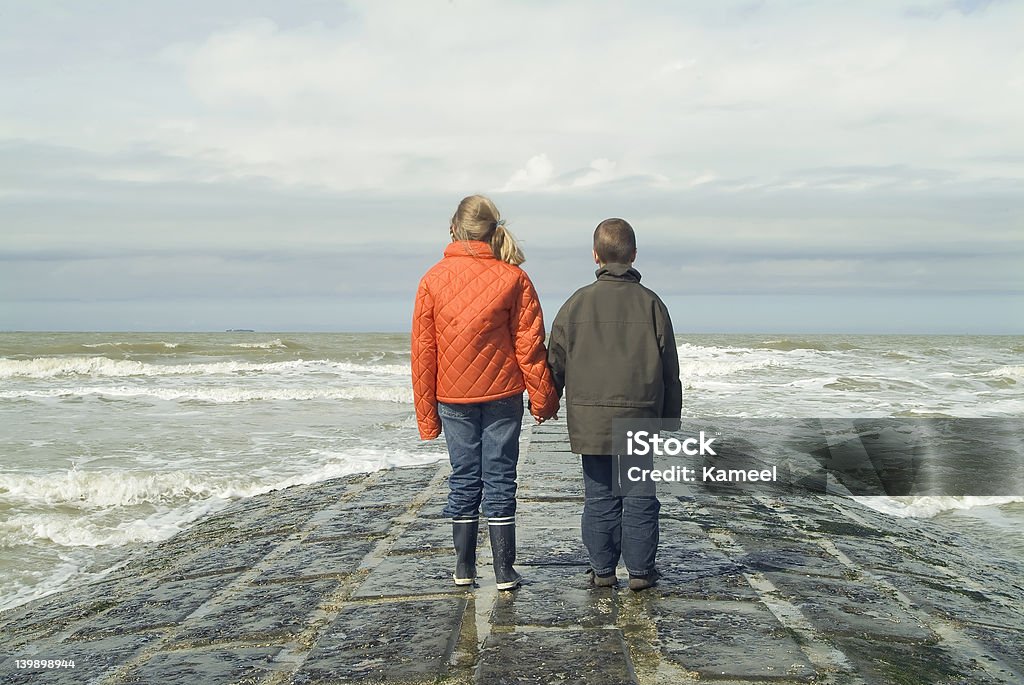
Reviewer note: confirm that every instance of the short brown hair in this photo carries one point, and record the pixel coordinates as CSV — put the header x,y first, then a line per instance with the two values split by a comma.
x,y
614,241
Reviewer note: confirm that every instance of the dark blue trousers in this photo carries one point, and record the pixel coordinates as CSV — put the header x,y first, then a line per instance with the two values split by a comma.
x,y
615,523
483,446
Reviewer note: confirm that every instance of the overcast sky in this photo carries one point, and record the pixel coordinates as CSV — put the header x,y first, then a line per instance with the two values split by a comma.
x,y
292,165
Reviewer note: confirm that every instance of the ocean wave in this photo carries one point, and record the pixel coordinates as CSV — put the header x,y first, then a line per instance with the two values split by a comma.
x,y
929,506
54,367
696,361
222,395
1012,372
720,367
104,489
790,345
275,344
79,531
101,502
159,346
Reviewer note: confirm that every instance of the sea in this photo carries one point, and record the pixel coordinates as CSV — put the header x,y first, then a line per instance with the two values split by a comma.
x,y
110,441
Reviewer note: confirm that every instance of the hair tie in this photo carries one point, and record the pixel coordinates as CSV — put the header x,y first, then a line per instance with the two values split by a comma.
x,y
498,224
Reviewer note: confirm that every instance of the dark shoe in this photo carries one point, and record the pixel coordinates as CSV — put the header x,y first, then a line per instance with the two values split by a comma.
x,y
602,581
638,583
503,549
464,532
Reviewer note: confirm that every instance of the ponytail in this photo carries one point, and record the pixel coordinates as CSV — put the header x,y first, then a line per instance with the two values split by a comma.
x,y
477,219
505,247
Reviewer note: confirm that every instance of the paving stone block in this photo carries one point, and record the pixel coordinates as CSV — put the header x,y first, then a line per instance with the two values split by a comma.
x,y
239,666
259,612
535,514
948,599
426,536
539,546
740,640
552,489
416,476
583,657
400,576
91,659
333,558
839,607
390,642
164,605
353,523
52,614
555,596
232,557
884,663
804,559
696,568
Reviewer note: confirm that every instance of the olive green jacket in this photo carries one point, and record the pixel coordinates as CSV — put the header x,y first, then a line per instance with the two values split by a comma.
x,y
613,353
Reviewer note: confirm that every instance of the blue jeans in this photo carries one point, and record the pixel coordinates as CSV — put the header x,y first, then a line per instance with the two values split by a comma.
x,y
483,446
614,523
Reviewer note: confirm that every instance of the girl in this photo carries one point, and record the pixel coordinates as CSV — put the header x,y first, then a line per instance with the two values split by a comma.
x,y
477,344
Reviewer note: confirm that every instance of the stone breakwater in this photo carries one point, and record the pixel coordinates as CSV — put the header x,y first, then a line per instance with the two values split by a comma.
x,y
348,581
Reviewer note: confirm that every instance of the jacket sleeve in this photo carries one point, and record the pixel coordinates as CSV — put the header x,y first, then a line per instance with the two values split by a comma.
x,y
424,365
673,403
556,351
528,330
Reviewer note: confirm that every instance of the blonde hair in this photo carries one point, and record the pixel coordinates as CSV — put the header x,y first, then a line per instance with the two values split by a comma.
x,y
478,219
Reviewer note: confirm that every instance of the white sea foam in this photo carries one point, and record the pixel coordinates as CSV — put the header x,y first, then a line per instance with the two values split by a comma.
x,y
71,531
165,345
54,367
82,502
1006,372
696,361
276,343
928,506
223,394
101,489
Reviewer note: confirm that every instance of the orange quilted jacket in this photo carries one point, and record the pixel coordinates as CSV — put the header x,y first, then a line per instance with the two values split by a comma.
x,y
477,335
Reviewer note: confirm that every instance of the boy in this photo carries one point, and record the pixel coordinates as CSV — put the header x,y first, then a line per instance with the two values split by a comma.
x,y
613,352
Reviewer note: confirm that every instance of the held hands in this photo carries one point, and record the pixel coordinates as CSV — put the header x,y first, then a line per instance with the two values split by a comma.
x,y
538,419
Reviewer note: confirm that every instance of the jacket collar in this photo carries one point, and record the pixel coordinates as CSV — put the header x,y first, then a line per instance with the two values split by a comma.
x,y
618,272
469,248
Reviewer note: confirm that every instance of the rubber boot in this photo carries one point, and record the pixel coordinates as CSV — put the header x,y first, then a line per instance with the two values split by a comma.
x,y
503,549
464,532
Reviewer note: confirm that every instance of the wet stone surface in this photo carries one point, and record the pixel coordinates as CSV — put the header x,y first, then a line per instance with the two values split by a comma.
x,y
227,558
428,536
316,559
165,605
594,657
549,547
380,643
911,663
851,608
257,613
718,639
349,581
246,665
800,559
353,523
91,659
403,576
555,596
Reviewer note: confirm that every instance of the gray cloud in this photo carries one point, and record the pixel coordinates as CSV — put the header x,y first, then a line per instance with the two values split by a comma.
x,y
297,161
